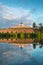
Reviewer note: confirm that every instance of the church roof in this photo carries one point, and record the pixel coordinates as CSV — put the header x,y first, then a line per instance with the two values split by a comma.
x,y
21,25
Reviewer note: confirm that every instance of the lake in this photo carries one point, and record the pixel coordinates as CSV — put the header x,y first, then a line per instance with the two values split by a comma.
x,y
21,54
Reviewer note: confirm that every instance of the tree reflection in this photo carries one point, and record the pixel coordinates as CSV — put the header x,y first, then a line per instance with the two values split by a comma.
x,y
34,45
41,43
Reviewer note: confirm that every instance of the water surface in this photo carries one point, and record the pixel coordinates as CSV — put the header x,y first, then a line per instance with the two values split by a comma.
x,y
14,54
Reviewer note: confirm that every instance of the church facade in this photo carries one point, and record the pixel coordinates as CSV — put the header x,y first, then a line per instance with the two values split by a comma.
x,y
21,28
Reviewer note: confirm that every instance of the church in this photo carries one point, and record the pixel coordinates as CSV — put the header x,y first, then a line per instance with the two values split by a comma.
x,y
21,28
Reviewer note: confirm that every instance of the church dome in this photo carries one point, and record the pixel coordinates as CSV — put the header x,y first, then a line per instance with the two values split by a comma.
x,y
21,25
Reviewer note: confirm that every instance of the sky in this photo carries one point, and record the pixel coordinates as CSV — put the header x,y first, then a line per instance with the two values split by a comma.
x,y
12,12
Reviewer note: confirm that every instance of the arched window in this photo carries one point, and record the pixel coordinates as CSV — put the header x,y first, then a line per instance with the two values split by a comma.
x,y
18,35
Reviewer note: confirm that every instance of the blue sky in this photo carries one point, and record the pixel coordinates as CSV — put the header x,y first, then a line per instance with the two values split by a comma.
x,y
12,12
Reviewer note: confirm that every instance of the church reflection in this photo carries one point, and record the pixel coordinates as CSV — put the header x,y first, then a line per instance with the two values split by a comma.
x,y
22,45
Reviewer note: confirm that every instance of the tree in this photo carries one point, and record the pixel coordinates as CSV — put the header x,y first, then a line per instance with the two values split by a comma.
x,y
40,24
34,25
41,31
40,27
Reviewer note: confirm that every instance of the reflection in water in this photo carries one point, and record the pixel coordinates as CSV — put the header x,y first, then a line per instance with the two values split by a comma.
x,y
21,54
21,45
41,44
34,46
34,41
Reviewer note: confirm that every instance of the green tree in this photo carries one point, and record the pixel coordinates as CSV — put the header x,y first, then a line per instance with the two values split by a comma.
x,y
34,25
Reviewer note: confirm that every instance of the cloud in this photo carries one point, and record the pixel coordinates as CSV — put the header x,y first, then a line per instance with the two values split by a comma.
x,y
10,15
40,16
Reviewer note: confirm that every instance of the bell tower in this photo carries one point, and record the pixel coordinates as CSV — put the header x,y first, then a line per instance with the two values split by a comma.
x,y
21,24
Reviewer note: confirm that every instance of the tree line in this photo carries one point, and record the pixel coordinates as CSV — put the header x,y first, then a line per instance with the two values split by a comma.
x,y
38,31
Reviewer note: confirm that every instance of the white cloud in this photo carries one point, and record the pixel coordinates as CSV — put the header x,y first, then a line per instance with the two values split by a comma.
x,y
15,14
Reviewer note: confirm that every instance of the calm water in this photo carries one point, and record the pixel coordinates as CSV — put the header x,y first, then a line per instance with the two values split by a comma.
x,y
11,54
